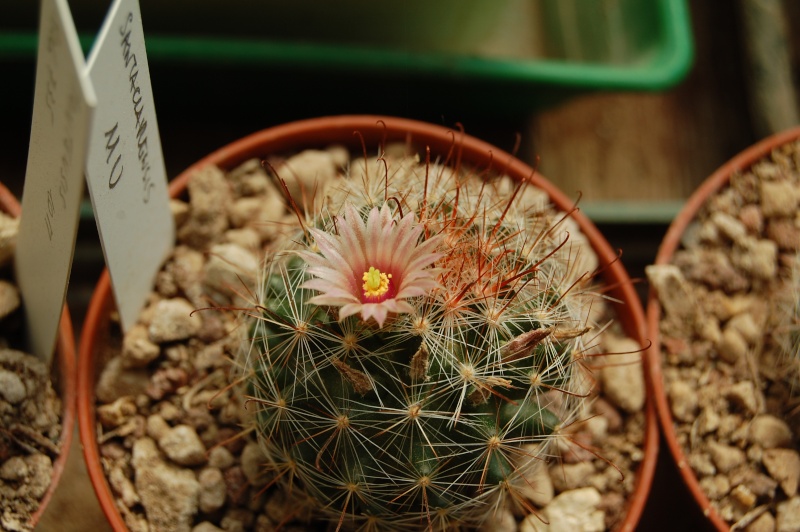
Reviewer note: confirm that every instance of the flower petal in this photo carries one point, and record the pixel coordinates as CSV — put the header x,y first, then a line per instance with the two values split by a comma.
x,y
330,290
349,309
378,311
327,300
373,236
332,250
405,238
353,240
330,280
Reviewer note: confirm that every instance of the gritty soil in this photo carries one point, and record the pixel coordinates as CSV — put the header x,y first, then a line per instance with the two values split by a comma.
x,y
170,425
727,300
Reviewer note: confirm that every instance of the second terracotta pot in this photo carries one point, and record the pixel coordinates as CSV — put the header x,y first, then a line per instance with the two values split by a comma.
x,y
716,183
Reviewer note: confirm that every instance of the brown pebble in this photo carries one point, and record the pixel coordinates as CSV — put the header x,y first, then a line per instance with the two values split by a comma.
x,y
212,330
236,484
784,466
725,457
165,381
231,439
758,483
683,400
751,218
743,497
763,523
778,198
112,451
784,232
769,432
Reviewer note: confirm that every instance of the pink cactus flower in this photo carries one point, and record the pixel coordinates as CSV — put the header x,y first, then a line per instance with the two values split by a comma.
x,y
371,268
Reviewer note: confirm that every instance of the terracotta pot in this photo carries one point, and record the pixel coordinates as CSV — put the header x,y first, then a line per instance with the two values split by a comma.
x,y
373,130
63,375
717,181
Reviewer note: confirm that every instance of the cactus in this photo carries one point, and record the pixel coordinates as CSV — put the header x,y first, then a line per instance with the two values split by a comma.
x,y
418,346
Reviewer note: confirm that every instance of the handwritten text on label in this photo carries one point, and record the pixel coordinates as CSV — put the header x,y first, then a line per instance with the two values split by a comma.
x,y
138,107
125,168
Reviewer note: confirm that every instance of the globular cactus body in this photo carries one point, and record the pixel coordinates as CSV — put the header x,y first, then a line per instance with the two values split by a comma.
x,y
418,346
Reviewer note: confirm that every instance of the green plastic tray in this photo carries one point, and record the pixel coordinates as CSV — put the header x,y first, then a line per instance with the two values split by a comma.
x,y
584,44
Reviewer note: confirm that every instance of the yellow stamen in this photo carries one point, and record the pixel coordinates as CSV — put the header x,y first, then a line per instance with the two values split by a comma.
x,y
376,283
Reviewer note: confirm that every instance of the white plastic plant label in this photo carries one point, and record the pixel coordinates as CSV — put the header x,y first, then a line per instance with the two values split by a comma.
x,y
125,169
62,113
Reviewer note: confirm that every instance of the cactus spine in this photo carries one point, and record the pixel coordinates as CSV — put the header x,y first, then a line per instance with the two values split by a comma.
x,y
419,390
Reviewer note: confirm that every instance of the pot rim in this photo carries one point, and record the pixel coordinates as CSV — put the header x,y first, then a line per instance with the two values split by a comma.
x,y
359,130
66,360
671,242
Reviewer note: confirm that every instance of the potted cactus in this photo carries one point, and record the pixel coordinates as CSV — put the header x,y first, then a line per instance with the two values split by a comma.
x,y
723,318
417,342
37,402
